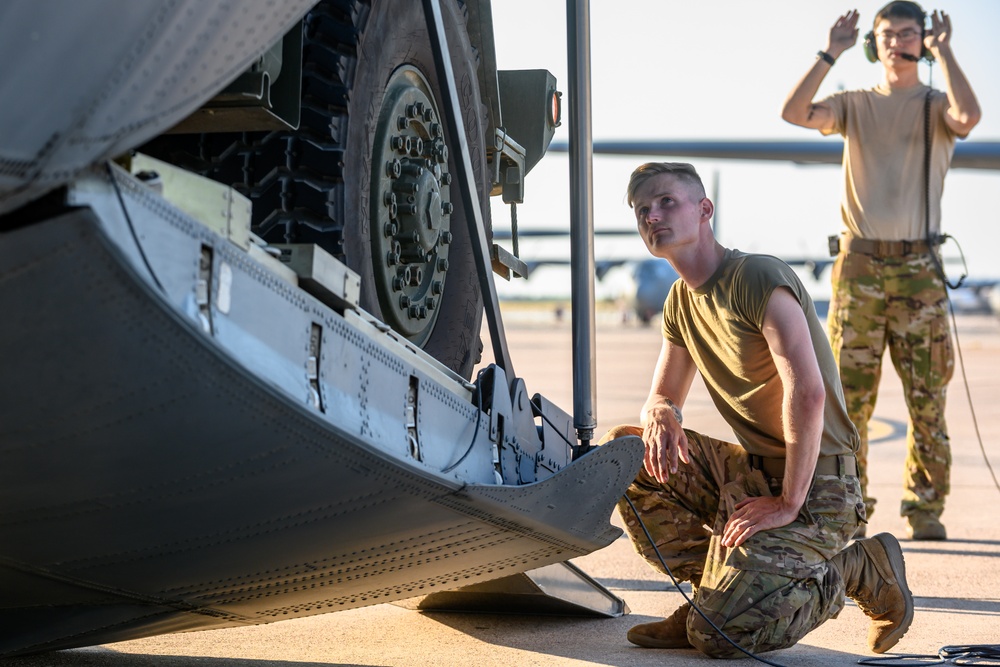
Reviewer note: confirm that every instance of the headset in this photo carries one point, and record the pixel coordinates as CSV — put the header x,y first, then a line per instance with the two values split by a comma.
x,y
871,49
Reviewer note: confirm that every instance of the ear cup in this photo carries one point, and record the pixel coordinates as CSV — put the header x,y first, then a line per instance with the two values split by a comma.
x,y
925,53
871,50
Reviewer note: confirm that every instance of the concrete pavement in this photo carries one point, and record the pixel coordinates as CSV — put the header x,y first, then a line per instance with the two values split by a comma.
x,y
956,583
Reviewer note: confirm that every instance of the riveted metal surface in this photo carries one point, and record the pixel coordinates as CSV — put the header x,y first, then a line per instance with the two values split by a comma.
x,y
151,482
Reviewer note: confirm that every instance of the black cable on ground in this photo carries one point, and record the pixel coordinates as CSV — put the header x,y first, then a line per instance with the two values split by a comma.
x,y
689,600
961,654
985,655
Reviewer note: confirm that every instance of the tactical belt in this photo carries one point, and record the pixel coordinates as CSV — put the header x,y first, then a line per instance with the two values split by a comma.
x,y
883,249
844,465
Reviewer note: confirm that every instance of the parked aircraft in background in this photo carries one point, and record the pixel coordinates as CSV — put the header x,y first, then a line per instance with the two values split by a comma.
x,y
653,277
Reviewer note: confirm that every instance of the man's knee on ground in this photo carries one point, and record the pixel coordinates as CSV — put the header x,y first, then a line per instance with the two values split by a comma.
x,y
707,639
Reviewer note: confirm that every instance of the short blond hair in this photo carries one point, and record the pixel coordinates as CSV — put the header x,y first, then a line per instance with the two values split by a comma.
x,y
682,170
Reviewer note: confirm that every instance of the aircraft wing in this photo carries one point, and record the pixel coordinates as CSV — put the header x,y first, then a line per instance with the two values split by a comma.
x,y
968,154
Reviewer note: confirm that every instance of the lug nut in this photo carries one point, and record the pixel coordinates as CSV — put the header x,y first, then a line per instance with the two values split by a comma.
x,y
405,187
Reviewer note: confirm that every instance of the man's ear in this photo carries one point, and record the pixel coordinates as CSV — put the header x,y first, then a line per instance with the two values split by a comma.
x,y
707,208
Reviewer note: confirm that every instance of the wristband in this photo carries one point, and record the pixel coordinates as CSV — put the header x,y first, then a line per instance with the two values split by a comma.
x,y
830,60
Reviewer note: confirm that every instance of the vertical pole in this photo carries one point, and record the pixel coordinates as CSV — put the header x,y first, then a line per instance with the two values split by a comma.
x,y
581,156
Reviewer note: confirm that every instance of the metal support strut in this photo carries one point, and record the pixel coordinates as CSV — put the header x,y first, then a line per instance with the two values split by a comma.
x,y
581,183
467,185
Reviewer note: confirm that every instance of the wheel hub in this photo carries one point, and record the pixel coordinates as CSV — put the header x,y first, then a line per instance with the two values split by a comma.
x,y
411,206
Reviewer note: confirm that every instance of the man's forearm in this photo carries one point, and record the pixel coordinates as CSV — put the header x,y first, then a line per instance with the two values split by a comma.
x,y
964,107
803,421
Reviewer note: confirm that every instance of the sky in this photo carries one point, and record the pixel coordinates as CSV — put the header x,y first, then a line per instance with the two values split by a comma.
x,y
721,69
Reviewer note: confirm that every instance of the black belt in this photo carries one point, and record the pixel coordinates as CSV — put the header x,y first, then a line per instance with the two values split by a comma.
x,y
883,249
844,465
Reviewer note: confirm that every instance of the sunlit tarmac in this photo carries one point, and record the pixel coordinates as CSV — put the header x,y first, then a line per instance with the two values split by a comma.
x,y
956,583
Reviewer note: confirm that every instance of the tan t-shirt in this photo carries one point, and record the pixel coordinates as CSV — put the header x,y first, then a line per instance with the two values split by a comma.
x,y
883,170
720,326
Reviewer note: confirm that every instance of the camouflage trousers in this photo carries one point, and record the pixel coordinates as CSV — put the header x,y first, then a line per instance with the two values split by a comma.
x,y
899,303
773,589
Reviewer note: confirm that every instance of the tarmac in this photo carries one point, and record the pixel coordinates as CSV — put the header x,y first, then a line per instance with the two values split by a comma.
x,y
955,583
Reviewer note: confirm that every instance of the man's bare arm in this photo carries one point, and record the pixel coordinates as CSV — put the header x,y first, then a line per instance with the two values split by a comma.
x,y
665,441
803,400
799,108
804,393
963,107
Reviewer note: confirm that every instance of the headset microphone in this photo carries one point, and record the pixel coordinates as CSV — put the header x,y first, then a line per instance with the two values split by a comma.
x,y
911,58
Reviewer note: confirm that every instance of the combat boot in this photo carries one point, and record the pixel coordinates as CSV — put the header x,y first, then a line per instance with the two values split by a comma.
x,y
671,632
925,526
875,578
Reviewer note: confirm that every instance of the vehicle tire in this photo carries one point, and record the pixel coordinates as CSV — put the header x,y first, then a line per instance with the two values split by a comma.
x,y
332,182
395,67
